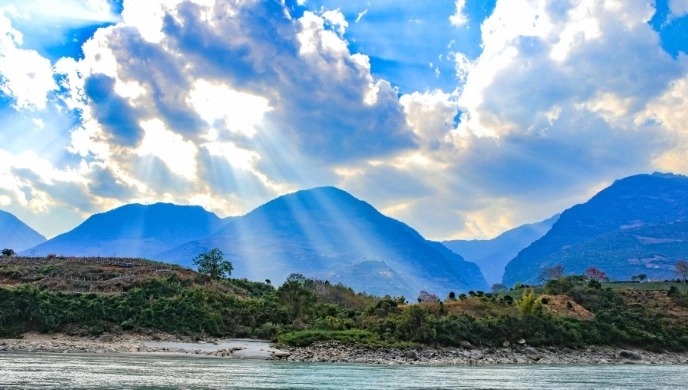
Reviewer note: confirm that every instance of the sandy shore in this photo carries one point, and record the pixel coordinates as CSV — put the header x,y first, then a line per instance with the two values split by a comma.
x,y
333,352
133,343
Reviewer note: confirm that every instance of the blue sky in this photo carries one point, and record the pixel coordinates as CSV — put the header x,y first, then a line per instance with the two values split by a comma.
x,y
461,118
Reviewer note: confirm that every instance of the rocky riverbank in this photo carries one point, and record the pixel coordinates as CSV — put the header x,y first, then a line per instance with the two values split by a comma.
x,y
333,352
521,354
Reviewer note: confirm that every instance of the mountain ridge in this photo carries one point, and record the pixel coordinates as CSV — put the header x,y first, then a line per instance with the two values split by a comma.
x,y
631,202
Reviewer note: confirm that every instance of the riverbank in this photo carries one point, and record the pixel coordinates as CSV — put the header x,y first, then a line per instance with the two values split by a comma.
x,y
143,344
332,352
522,354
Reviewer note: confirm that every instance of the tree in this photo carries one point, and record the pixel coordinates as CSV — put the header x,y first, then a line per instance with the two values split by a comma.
x,y
452,296
498,288
426,297
8,252
596,274
551,273
682,270
213,264
296,297
642,277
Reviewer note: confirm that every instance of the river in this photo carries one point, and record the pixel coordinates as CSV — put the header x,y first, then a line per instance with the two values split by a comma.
x,y
121,371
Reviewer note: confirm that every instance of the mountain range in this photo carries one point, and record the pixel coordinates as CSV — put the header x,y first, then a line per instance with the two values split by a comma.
x,y
322,233
16,235
327,233
636,225
494,254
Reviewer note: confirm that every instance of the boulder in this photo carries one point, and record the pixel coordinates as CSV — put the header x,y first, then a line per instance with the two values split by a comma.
x,y
630,355
522,342
410,355
281,355
506,344
465,344
532,353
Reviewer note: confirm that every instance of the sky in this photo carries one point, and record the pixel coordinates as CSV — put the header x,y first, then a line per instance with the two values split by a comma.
x,y
462,118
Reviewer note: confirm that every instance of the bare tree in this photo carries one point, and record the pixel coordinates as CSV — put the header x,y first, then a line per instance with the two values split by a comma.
x,y
682,269
551,273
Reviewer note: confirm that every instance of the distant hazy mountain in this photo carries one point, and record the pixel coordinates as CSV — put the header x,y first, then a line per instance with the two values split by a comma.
x,y
327,233
133,230
15,234
493,255
635,225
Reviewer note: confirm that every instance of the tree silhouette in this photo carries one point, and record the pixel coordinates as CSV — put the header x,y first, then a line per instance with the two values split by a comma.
x,y
8,252
682,269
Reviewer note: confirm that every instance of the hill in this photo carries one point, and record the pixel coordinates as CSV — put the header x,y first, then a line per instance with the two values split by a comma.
x,y
133,230
326,233
16,235
493,255
605,227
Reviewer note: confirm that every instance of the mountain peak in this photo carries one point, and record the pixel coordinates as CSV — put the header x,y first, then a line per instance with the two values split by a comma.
x,y
15,234
134,230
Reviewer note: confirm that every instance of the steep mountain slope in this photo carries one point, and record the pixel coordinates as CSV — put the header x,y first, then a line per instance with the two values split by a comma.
x,y
493,255
133,230
327,233
630,203
649,249
15,234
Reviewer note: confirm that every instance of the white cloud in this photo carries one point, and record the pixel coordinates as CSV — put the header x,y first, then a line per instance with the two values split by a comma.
x,y
336,19
459,18
179,154
196,102
69,12
678,8
24,74
240,112
361,15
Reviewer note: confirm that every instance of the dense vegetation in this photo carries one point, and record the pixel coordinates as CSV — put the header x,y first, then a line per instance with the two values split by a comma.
x,y
302,311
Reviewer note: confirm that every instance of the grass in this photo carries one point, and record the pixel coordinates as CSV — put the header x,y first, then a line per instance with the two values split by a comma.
x,y
646,286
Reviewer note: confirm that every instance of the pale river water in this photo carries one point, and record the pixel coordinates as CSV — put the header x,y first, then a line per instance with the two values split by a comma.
x,y
72,371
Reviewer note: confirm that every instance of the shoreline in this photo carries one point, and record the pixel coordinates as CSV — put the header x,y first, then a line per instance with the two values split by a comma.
x,y
333,352
156,344
522,354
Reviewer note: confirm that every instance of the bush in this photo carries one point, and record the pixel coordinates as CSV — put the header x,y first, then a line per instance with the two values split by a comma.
x,y
305,338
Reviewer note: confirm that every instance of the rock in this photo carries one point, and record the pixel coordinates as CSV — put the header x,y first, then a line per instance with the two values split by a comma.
x,y
134,349
465,344
477,355
630,355
522,342
532,353
281,355
410,355
506,344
